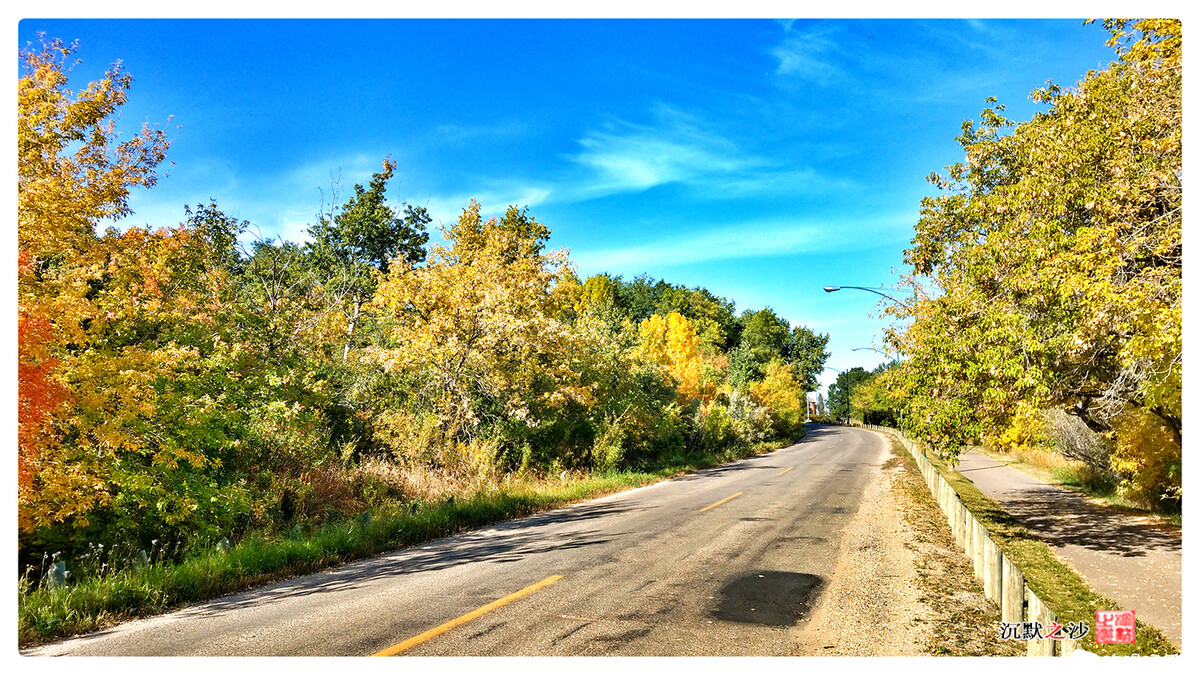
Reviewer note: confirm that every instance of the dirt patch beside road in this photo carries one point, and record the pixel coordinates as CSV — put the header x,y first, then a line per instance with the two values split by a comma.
x,y
902,588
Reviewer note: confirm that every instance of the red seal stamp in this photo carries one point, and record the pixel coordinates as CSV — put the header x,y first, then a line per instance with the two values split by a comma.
x,y
1114,628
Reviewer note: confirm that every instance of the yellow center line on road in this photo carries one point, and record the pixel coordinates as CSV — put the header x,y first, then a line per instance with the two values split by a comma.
x,y
470,616
785,471
713,506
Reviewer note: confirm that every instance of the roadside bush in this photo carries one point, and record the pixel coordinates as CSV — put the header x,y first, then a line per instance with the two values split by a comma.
x,y
564,442
608,446
713,429
754,422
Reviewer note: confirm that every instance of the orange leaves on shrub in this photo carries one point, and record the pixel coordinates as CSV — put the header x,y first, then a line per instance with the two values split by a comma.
x,y
39,392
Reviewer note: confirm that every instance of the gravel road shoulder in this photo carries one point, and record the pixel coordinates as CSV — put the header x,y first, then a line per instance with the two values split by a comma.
x,y
901,588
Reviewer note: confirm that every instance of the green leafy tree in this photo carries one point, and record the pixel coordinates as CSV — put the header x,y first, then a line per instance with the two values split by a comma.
x,y
357,243
744,367
640,297
878,399
840,391
806,351
765,334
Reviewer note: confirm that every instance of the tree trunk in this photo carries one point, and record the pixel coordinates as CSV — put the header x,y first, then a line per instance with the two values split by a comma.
x,y
353,323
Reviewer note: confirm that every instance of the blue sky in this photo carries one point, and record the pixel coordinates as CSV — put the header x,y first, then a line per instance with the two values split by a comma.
x,y
760,159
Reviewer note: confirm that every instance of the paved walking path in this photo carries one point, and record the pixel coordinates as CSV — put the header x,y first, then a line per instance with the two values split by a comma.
x,y
1128,561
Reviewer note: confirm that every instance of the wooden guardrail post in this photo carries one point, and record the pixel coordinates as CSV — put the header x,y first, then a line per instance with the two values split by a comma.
x,y
1012,592
1038,611
993,559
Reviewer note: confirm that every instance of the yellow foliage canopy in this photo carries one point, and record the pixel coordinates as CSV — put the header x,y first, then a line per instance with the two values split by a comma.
x,y
1056,250
479,322
672,342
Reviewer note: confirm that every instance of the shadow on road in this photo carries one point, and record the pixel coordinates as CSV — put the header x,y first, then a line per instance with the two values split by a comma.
x,y
813,432
723,469
1063,518
506,542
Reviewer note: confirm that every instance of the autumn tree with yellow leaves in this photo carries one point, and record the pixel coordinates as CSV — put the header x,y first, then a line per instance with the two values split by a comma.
x,y
72,173
784,396
672,342
1055,251
478,324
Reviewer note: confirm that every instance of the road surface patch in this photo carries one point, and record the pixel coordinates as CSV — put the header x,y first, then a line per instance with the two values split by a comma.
x,y
768,597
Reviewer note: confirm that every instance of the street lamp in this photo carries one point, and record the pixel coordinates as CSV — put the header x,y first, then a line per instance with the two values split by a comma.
x,y
830,289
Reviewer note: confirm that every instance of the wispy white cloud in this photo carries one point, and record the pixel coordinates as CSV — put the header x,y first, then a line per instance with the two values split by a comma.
x,y
793,181
810,54
979,25
458,133
671,147
747,240
621,157
987,38
677,148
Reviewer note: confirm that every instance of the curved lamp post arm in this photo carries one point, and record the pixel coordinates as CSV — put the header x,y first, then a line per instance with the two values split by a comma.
x,y
860,349
830,289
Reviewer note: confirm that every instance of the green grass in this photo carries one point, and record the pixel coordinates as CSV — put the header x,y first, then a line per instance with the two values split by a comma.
x,y
88,604
1056,584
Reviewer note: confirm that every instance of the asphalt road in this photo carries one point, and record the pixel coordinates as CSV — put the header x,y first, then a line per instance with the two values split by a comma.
x,y
727,561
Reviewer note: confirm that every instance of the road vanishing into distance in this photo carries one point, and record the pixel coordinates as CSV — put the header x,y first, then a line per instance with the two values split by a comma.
x,y
726,561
